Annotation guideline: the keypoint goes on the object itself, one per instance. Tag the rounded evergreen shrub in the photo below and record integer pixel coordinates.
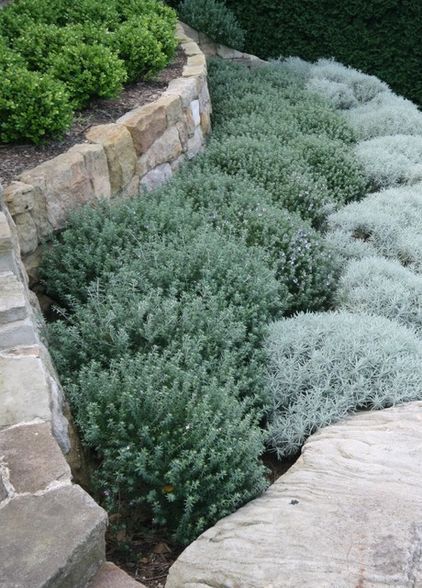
(324, 366)
(379, 286)
(242, 209)
(9, 58)
(32, 106)
(387, 222)
(290, 181)
(390, 161)
(88, 71)
(138, 47)
(344, 86)
(336, 163)
(213, 18)
(188, 451)
(386, 114)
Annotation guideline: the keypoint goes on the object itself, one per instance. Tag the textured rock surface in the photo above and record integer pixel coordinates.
(12, 299)
(68, 181)
(52, 540)
(348, 514)
(43, 463)
(24, 390)
(120, 152)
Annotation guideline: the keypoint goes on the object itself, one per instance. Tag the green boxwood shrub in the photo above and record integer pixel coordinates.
(379, 286)
(181, 445)
(139, 48)
(324, 366)
(80, 44)
(88, 71)
(32, 106)
(215, 19)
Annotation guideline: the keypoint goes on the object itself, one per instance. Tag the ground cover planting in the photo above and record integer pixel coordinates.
(166, 301)
(57, 56)
(366, 354)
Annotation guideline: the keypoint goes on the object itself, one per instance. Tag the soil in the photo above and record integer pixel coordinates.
(148, 558)
(16, 158)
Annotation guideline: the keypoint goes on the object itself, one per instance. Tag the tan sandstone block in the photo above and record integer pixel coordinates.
(165, 149)
(198, 59)
(194, 70)
(19, 197)
(24, 390)
(186, 88)
(183, 29)
(32, 457)
(6, 242)
(27, 232)
(65, 183)
(119, 150)
(191, 48)
(173, 107)
(205, 123)
(145, 125)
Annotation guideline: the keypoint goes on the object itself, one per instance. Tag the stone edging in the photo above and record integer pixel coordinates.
(137, 153)
(53, 532)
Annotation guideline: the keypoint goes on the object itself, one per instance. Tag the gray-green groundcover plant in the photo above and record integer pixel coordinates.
(323, 366)
(166, 301)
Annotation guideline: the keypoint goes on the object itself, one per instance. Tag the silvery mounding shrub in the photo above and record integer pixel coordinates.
(213, 18)
(346, 247)
(182, 446)
(392, 160)
(389, 222)
(363, 88)
(387, 114)
(376, 285)
(324, 366)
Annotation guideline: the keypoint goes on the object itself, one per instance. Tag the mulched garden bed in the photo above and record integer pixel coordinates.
(16, 158)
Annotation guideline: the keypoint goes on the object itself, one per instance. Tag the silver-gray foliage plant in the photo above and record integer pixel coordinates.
(376, 285)
(324, 366)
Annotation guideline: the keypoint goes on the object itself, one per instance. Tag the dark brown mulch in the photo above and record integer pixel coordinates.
(15, 158)
(148, 560)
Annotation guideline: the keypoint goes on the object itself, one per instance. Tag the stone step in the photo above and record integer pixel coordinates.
(12, 299)
(110, 576)
(24, 390)
(54, 539)
(347, 514)
(18, 333)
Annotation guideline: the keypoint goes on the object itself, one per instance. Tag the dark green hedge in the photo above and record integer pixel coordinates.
(381, 37)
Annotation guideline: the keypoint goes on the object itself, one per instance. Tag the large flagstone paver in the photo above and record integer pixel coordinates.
(348, 514)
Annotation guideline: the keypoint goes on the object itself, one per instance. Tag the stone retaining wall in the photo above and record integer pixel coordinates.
(53, 533)
(137, 153)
